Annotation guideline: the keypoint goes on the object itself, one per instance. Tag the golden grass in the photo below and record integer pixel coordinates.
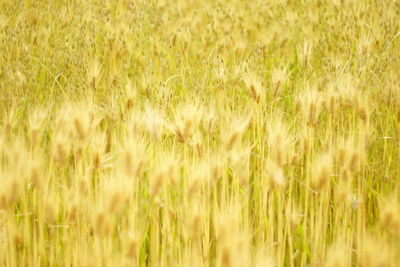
(199, 133)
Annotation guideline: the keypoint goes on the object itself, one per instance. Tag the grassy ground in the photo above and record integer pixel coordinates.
(199, 133)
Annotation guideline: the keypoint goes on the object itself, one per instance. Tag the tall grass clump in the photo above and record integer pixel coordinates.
(199, 133)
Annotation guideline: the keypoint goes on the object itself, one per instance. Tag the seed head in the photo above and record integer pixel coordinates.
(304, 53)
(310, 102)
(163, 174)
(255, 87)
(240, 162)
(390, 218)
(132, 248)
(134, 156)
(36, 177)
(275, 177)
(278, 79)
(337, 256)
(278, 141)
(236, 131)
(186, 121)
(9, 192)
(154, 122)
(102, 223)
(51, 207)
(321, 172)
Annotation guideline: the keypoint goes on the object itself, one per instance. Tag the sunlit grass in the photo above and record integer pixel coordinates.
(199, 133)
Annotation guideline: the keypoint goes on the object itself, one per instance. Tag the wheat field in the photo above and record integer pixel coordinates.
(199, 133)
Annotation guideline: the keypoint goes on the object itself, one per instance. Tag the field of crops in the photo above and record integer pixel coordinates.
(200, 133)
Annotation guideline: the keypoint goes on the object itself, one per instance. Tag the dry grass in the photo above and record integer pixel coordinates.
(199, 133)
